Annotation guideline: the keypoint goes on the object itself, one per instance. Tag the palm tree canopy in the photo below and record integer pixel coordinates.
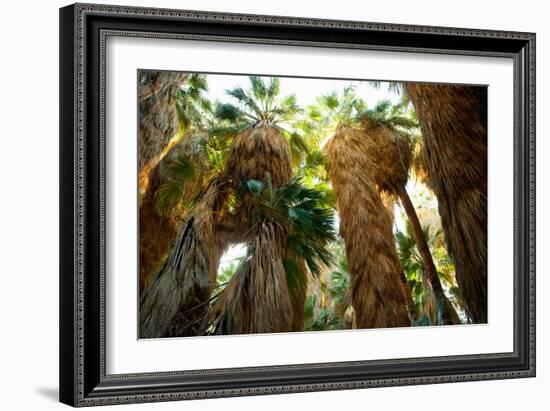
(385, 113)
(261, 102)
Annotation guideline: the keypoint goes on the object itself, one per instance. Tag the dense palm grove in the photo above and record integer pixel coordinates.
(351, 213)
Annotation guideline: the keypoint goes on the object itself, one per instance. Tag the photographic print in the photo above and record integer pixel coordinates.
(281, 204)
(235, 181)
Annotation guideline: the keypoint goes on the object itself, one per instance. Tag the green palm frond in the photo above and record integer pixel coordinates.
(259, 88)
(298, 148)
(181, 169)
(300, 209)
(274, 88)
(335, 109)
(197, 82)
(384, 112)
(247, 101)
(260, 103)
(168, 196)
(287, 109)
(295, 277)
(193, 107)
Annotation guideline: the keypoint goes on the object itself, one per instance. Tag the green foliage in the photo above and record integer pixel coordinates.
(193, 107)
(335, 110)
(385, 113)
(181, 169)
(319, 319)
(259, 103)
(168, 196)
(178, 172)
(330, 308)
(298, 208)
(225, 274)
(413, 267)
(295, 278)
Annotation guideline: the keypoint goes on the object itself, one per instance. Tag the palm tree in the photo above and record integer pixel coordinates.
(175, 179)
(291, 227)
(158, 114)
(176, 301)
(378, 295)
(173, 184)
(262, 150)
(453, 120)
(387, 146)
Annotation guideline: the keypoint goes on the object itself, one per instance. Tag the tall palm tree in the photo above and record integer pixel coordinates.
(291, 230)
(175, 179)
(387, 146)
(176, 301)
(378, 295)
(263, 150)
(453, 120)
(173, 184)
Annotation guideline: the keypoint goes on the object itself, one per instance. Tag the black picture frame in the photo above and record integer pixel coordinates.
(83, 29)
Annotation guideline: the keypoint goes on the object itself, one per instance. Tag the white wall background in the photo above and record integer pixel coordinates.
(29, 204)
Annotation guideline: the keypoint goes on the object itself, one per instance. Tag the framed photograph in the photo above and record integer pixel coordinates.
(261, 204)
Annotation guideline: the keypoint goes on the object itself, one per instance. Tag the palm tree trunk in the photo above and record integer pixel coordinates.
(176, 301)
(156, 234)
(448, 314)
(411, 306)
(257, 298)
(158, 114)
(453, 120)
(158, 228)
(378, 296)
(298, 290)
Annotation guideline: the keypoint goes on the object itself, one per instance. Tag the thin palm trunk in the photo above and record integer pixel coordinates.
(378, 296)
(411, 306)
(448, 313)
(453, 120)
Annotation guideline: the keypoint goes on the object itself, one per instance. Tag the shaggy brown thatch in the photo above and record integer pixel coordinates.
(298, 289)
(258, 151)
(158, 114)
(378, 296)
(390, 155)
(257, 299)
(390, 152)
(158, 227)
(453, 122)
(176, 302)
